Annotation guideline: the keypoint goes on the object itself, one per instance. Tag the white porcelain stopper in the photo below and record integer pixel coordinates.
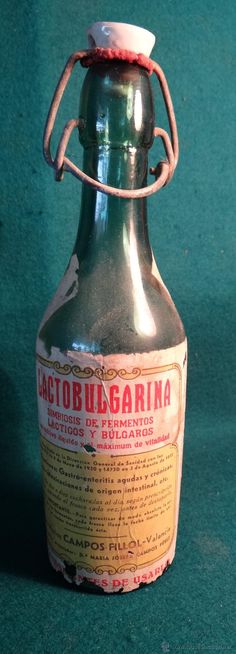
(121, 35)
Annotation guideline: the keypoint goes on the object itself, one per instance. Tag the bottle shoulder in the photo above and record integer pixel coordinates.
(107, 316)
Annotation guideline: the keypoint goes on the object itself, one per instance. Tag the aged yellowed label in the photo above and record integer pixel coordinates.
(111, 443)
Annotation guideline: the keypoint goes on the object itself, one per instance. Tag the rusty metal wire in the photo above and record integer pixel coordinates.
(164, 169)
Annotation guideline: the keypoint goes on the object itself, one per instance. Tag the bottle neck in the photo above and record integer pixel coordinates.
(116, 131)
(111, 227)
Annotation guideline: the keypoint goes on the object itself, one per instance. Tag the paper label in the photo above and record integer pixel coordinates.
(111, 442)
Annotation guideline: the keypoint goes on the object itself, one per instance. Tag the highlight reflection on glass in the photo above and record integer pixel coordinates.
(101, 214)
(143, 320)
(138, 110)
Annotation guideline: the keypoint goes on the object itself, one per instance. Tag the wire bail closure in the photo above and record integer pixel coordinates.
(163, 171)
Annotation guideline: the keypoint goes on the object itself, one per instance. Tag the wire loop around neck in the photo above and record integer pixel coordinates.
(163, 171)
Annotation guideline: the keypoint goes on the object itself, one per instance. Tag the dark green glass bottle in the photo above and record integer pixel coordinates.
(111, 360)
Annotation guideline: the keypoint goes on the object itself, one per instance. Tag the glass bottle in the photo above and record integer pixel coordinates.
(111, 363)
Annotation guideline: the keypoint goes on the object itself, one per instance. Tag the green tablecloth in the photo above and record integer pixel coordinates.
(192, 228)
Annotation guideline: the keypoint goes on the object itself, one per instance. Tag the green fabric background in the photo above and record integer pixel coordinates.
(192, 229)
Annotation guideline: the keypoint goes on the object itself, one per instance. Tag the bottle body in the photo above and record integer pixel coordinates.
(111, 364)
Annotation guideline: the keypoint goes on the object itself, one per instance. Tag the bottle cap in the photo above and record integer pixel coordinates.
(122, 36)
